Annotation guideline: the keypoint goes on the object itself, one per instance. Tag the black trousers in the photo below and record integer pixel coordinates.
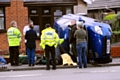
(14, 55)
(50, 50)
(74, 52)
(26, 48)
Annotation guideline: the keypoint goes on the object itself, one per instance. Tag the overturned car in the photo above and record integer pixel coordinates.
(98, 36)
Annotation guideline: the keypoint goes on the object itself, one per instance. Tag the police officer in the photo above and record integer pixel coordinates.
(49, 41)
(14, 38)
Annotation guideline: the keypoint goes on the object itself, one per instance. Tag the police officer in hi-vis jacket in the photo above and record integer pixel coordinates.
(49, 41)
(14, 38)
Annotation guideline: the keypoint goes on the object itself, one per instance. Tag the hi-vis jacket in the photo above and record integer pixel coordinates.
(49, 37)
(13, 36)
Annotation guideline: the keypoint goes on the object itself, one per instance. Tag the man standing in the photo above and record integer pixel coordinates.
(81, 44)
(31, 37)
(14, 38)
(72, 39)
(25, 29)
(49, 41)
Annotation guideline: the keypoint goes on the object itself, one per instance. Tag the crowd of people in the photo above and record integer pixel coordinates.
(49, 41)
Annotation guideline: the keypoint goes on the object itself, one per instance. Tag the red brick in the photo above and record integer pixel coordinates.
(115, 51)
(16, 12)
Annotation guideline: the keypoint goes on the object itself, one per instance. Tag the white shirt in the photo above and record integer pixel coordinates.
(26, 28)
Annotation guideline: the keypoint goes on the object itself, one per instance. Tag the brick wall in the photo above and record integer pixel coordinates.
(15, 12)
(3, 42)
(115, 51)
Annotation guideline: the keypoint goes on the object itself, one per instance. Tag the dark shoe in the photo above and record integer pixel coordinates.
(85, 67)
(47, 68)
(12, 64)
(53, 68)
(29, 65)
(33, 64)
(80, 67)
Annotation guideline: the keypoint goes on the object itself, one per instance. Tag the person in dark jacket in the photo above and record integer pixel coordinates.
(25, 29)
(72, 39)
(31, 37)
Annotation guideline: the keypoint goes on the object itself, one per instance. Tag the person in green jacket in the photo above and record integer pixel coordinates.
(14, 38)
(49, 41)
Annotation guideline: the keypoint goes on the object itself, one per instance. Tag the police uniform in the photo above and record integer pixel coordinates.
(49, 41)
(14, 42)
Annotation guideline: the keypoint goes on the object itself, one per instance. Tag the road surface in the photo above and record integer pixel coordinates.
(95, 73)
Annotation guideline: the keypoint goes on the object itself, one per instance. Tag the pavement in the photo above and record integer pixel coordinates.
(8, 67)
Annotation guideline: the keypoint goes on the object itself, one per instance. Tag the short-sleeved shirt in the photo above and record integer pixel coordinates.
(26, 28)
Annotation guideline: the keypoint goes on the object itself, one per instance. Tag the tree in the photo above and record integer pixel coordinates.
(116, 27)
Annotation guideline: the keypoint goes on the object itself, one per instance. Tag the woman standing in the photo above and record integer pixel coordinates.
(81, 44)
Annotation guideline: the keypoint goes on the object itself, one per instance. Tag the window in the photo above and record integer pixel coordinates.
(36, 24)
(34, 11)
(46, 11)
(68, 10)
(58, 12)
(41, 15)
(2, 23)
(34, 16)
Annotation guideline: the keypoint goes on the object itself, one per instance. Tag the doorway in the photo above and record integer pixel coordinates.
(46, 16)
(46, 20)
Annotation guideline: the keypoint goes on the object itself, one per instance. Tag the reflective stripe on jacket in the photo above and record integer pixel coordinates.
(49, 37)
(13, 36)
